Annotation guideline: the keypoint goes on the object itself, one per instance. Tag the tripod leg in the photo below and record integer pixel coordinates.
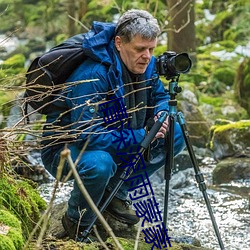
(199, 176)
(169, 164)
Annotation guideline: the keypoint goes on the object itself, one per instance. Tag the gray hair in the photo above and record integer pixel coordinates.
(137, 22)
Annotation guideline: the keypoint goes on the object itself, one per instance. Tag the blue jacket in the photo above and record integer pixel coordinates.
(84, 120)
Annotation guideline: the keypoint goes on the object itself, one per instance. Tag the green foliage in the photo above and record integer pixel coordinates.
(17, 61)
(242, 84)
(60, 38)
(221, 23)
(12, 67)
(216, 67)
(214, 101)
(224, 75)
(22, 200)
(13, 239)
(6, 243)
(219, 102)
(229, 22)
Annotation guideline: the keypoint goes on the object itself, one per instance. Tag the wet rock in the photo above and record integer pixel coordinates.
(187, 240)
(181, 179)
(231, 169)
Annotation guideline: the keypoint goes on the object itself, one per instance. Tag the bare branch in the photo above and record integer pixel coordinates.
(66, 154)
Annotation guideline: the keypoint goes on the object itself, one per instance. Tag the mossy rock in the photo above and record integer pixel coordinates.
(232, 139)
(21, 199)
(11, 237)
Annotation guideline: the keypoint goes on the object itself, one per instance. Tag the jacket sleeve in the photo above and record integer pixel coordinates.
(87, 122)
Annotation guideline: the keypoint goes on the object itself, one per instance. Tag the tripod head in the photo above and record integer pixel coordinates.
(174, 89)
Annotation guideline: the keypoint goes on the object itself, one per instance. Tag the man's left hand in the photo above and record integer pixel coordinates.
(163, 129)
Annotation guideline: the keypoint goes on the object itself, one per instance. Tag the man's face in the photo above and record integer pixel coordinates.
(137, 53)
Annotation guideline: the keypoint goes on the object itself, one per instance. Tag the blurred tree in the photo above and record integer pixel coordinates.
(181, 27)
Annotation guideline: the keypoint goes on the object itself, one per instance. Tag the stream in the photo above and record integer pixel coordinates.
(188, 216)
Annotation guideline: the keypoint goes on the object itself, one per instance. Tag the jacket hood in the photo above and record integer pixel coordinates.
(98, 43)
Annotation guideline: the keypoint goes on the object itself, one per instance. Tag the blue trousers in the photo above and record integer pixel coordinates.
(100, 171)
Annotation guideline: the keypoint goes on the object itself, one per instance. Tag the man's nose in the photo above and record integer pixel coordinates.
(146, 54)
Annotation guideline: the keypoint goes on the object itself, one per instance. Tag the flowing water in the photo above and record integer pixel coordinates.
(187, 212)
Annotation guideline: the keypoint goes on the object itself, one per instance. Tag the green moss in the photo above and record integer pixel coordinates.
(235, 125)
(21, 199)
(6, 243)
(13, 71)
(16, 237)
(239, 128)
(9, 219)
(6, 96)
(228, 45)
(16, 61)
(225, 75)
(212, 100)
(13, 239)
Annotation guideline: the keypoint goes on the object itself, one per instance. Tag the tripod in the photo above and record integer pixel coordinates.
(173, 90)
(173, 114)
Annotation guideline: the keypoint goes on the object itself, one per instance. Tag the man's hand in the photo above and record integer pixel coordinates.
(164, 128)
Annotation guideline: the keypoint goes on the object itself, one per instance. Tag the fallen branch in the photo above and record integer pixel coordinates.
(65, 154)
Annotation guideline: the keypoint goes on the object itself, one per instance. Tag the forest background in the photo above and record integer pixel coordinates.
(214, 33)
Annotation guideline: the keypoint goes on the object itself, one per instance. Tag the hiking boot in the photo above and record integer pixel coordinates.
(75, 231)
(121, 211)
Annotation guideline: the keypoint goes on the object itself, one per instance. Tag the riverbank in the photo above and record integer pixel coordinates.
(188, 216)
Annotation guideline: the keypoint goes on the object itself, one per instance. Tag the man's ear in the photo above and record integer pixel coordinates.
(118, 42)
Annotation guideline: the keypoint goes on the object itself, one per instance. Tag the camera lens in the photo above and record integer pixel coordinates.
(182, 63)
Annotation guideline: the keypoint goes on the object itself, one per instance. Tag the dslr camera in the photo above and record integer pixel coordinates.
(171, 65)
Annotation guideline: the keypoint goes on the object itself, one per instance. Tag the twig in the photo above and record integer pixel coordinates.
(99, 238)
(137, 236)
(45, 217)
(66, 154)
(77, 21)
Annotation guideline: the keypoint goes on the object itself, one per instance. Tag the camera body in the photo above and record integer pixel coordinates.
(171, 65)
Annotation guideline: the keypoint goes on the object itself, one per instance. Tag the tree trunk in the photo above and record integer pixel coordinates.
(181, 29)
(83, 7)
(71, 6)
